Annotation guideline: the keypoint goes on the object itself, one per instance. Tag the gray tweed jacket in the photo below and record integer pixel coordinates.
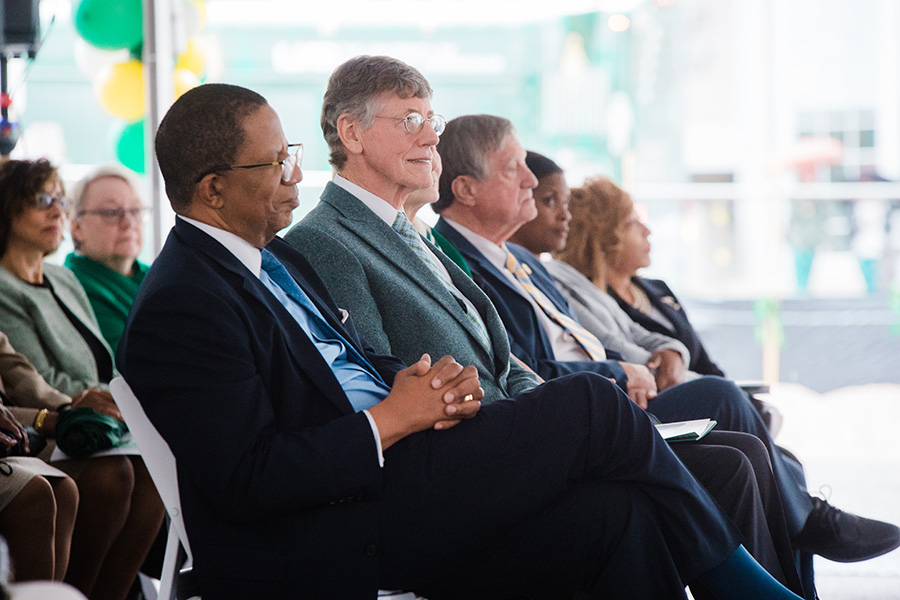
(398, 305)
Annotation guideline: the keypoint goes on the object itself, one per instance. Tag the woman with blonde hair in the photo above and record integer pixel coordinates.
(608, 243)
(107, 224)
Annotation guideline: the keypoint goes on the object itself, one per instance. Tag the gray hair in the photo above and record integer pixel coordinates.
(79, 189)
(353, 88)
(465, 145)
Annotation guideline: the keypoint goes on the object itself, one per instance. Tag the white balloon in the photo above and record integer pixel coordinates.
(90, 60)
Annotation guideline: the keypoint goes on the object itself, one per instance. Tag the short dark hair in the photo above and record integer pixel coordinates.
(20, 183)
(202, 132)
(355, 84)
(465, 145)
(540, 165)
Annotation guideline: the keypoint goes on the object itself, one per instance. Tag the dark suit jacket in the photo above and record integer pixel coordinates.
(665, 302)
(281, 489)
(230, 380)
(527, 339)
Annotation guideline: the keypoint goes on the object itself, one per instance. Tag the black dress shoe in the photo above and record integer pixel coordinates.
(839, 536)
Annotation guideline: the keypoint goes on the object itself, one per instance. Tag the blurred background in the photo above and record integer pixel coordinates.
(760, 137)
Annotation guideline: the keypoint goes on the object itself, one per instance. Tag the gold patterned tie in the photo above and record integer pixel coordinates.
(588, 342)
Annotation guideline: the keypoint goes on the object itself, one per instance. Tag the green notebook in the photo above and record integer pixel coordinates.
(685, 431)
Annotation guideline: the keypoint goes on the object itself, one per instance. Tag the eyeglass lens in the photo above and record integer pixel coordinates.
(293, 161)
(414, 123)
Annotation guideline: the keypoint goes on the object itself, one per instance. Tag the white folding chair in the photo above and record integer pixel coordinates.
(161, 465)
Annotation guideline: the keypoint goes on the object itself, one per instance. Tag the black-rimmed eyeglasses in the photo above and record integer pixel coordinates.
(414, 122)
(293, 161)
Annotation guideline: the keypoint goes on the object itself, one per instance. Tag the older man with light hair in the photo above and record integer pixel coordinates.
(404, 296)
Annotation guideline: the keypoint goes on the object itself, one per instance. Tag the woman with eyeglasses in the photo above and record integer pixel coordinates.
(108, 232)
(46, 315)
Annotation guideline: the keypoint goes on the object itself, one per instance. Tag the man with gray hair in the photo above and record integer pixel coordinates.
(486, 196)
(405, 296)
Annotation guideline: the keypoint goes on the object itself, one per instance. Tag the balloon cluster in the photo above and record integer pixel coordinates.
(108, 52)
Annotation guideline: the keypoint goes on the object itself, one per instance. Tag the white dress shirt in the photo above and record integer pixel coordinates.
(561, 341)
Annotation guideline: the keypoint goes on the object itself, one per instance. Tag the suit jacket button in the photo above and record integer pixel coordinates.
(370, 549)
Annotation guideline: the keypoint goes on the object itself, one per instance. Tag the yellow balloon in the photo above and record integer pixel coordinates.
(185, 80)
(120, 89)
(194, 57)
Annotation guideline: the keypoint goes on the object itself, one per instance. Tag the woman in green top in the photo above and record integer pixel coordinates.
(108, 233)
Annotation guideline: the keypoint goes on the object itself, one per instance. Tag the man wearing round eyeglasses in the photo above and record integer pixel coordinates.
(510, 472)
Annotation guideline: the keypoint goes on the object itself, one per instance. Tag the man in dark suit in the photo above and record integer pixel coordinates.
(311, 467)
(481, 210)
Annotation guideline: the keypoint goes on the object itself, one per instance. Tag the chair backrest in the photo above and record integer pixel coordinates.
(161, 464)
(156, 454)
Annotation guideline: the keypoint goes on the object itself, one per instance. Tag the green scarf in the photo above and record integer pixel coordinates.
(110, 293)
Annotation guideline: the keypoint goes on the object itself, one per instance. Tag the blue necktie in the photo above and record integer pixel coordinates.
(280, 275)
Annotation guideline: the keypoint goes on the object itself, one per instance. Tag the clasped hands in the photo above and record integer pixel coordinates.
(643, 386)
(426, 396)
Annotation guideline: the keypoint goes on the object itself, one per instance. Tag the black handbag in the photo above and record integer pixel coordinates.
(36, 443)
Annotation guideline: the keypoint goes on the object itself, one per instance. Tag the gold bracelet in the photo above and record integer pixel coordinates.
(39, 419)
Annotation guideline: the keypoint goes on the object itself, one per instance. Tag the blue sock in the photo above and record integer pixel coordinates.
(740, 577)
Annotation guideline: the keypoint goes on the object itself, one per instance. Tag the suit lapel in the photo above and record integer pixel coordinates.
(305, 353)
(496, 328)
(360, 221)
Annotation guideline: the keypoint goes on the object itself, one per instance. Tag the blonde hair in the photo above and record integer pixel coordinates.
(598, 207)
(101, 172)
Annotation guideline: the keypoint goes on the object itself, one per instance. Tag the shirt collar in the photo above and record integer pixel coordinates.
(378, 206)
(243, 250)
(495, 254)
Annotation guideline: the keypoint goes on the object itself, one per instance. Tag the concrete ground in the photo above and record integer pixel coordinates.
(849, 442)
(840, 396)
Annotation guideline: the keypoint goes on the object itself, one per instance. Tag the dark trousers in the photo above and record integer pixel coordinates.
(566, 488)
(716, 398)
(735, 469)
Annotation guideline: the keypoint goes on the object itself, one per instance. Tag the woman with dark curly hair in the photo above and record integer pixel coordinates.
(46, 315)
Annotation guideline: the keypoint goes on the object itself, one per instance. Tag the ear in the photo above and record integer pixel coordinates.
(209, 192)
(75, 230)
(465, 188)
(349, 131)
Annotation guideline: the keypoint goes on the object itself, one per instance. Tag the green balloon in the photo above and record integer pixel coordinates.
(129, 141)
(110, 24)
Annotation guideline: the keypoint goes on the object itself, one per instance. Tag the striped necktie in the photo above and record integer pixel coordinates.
(588, 342)
(408, 234)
